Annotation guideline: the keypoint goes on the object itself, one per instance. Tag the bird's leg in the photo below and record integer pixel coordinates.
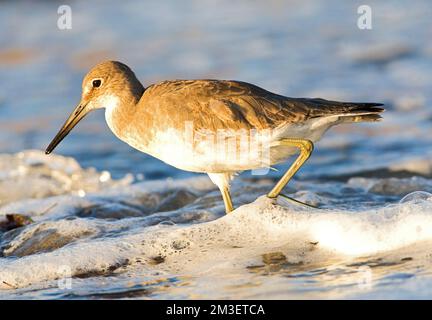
(222, 180)
(227, 200)
(306, 147)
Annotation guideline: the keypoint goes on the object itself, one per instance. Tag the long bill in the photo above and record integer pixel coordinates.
(70, 123)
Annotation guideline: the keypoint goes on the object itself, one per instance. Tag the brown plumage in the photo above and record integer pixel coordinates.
(221, 104)
(165, 119)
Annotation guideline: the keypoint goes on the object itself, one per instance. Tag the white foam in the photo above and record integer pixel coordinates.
(228, 243)
(31, 174)
(178, 227)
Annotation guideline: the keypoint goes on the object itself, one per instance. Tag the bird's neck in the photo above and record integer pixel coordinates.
(120, 112)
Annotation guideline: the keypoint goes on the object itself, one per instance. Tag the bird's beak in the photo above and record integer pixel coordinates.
(79, 113)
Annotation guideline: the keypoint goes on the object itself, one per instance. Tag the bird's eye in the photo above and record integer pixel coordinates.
(96, 83)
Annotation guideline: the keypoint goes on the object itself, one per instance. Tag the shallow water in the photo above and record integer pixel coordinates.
(110, 222)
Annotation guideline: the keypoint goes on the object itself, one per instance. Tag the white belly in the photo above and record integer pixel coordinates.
(226, 151)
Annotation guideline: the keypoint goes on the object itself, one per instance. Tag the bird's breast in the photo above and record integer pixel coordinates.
(189, 148)
(206, 151)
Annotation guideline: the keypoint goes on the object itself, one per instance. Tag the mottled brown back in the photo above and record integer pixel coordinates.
(222, 104)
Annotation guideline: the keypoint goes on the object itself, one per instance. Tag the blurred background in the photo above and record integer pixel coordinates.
(295, 48)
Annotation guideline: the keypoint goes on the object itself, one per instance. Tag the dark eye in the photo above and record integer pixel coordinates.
(96, 83)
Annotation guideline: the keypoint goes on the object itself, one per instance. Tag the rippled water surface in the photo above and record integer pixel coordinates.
(101, 220)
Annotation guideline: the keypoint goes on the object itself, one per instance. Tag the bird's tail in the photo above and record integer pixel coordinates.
(352, 111)
(344, 111)
(361, 118)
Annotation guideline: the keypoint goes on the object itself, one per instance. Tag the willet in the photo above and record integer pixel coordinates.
(211, 126)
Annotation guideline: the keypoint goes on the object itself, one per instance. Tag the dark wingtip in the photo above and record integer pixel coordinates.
(377, 105)
(371, 107)
(47, 152)
(377, 110)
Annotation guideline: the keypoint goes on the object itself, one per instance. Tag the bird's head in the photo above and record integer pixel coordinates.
(109, 85)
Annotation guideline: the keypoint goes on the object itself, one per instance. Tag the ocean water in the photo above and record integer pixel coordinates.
(106, 221)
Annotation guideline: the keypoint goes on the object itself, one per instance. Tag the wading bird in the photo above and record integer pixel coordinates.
(181, 122)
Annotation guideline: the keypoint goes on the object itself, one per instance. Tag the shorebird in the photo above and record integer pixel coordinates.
(188, 123)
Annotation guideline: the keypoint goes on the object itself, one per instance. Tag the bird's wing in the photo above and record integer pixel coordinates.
(223, 104)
